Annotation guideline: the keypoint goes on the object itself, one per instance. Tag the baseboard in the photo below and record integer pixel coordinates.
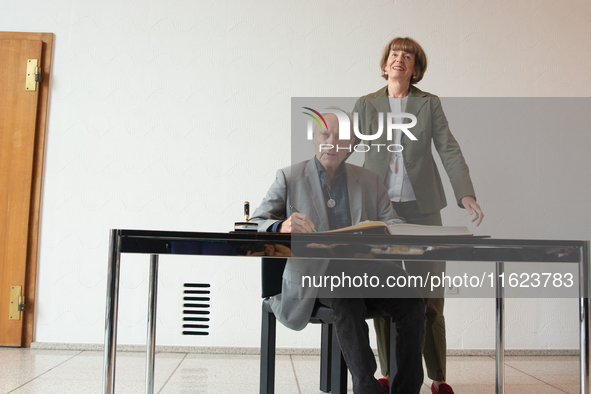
(513, 352)
(281, 350)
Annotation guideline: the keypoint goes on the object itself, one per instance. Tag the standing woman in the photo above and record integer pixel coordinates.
(412, 180)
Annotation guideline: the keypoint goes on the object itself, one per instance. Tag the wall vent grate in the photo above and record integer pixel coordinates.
(196, 308)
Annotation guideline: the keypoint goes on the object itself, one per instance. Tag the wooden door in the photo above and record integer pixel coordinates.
(22, 135)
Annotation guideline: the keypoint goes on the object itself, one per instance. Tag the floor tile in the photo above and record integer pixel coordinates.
(52, 386)
(509, 389)
(308, 373)
(26, 371)
(550, 369)
(20, 365)
(218, 388)
(482, 371)
(216, 373)
(129, 367)
(426, 389)
(569, 388)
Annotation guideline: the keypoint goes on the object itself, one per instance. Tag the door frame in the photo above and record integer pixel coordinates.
(37, 179)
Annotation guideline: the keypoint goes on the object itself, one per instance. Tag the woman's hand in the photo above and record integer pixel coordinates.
(472, 207)
(297, 223)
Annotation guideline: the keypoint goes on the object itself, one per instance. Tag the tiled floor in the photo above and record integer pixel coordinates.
(24, 371)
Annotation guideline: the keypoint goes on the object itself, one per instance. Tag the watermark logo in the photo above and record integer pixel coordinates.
(310, 128)
(345, 124)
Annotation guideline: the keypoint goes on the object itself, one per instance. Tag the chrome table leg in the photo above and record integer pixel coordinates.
(111, 313)
(500, 331)
(584, 318)
(151, 340)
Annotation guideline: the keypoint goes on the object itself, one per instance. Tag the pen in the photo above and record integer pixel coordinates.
(296, 211)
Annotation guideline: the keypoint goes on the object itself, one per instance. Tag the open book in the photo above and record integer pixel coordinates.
(404, 229)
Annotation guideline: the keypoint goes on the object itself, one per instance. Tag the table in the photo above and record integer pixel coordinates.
(341, 246)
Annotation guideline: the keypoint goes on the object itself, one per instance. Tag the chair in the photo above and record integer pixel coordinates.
(333, 369)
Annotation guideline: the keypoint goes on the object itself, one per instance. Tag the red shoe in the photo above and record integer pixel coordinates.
(385, 383)
(444, 388)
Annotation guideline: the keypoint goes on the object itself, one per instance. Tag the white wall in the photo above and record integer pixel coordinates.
(170, 114)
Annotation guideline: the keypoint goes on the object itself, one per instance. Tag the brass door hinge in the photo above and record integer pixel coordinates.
(17, 303)
(33, 75)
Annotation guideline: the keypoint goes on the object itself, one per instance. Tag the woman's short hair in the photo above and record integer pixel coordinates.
(409, 45)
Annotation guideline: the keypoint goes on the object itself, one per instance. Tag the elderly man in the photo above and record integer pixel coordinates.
(323, 194)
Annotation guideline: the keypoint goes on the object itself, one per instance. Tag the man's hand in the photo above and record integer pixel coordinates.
(297, 223)
(472, 207)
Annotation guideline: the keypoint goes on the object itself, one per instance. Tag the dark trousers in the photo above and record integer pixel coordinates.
(349, 312)
(435, 343)
(353, 336)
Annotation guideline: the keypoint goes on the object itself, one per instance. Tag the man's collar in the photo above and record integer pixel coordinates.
(342, 169)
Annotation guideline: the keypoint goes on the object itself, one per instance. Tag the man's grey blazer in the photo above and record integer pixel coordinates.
(300, 186)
